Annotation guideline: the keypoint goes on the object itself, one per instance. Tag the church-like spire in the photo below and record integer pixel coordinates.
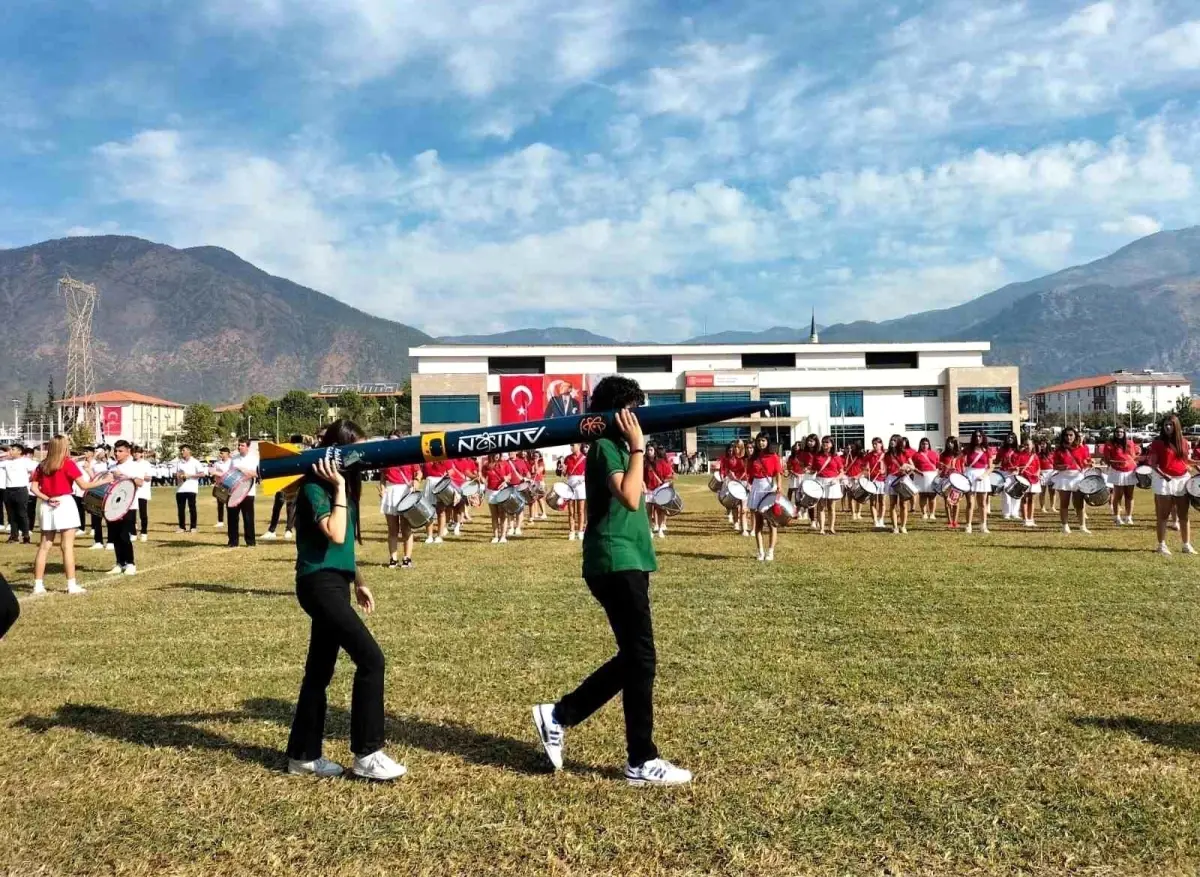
(812, 331)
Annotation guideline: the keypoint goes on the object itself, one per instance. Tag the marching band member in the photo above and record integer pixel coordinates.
(1009, 507)
(187, 474)
(656, 473)
(977, 464)
(433, 471)
(99, 465)
(574, 467)
(1168, 456)
(327, 528)
(925, 468)
(522, 474)
(51, 483)
(395, 483)
(121, 532)
(733, 465)
(16, 494)
(1071, 457)
(1026, 463)
(146, 473)
(497, 473)
(85, 466)
(246, 462)
(1045, 455)
(467, 471)
(1121, 454)
(812, 447)
(537, 467)
(828, 467)
(856, 467)
(30, 462)
(875, 468)
(219, 468)
(951, 461)
(897, 462)
(797, 466)
(766, 477)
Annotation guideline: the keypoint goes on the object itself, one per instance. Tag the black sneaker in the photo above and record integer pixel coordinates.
(408, 564)
(393, 563)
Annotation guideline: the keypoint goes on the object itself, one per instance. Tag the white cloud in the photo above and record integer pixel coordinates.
(708, 83)
(1134, 224)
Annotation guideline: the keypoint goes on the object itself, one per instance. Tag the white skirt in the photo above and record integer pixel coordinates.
(1121, 479)
(65, 516)
(1170, 486)
(924, 481)
(759, 490)
(1068, 480)
(392, 494)
(979, 480)
(578, 485)
(832, 486)
(794, 481)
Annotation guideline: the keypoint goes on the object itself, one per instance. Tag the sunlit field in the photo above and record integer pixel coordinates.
(1021, 702)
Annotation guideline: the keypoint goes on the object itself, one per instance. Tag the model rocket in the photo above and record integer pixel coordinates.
(280, 465)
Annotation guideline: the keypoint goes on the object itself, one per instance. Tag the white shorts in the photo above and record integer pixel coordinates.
(760, 488)
(392, 494)
(832, 486)
(53, 519)
(979, 479)
(578, 485)
(1121, 479)
(1170, 486)
(1068, 480)
(924, 481)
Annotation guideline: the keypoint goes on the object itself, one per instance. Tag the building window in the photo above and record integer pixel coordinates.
(781, 435)
(768, 360)
(783, 409)
(844, 436)
(892, 359)
(921, 393)
(846, 403)
(516, 365)
(995, 430)
(921, 427)
(985, 400)
(713, 439)
(723, 396)
(668, 441)
(633, 364)
(664, 398)
(449, 409)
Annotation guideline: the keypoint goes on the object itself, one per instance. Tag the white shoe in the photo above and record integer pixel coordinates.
(1163, 549)
(457, 530)
(218, 526)
(142, 537)
(968, 528)
(1066, 528)
(517, 532)
(904, 531)
(97, 546)
(1083, 529)
(181, 530)
(1118, 520)
(439, 541)
(322, 767)
(571, 538)
(1174, 525)
(1129, 521)
(503, 540)
(761, 556)
(1188, 549)
(289, 535)
(747, 533)
(130, 570)
(428, 540)
(74, 588)
(116, 571)
(1030, 524)
(658, 772)
(378, 766)
(270, 534)
(550, 732)
(495, 540)
(770, 557)
(39, 588)
(81, 532)
(108, 546)
(983, 529)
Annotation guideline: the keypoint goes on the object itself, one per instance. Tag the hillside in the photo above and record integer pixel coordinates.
(192, 324)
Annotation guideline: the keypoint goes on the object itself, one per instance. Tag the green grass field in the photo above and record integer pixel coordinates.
(1022, 702)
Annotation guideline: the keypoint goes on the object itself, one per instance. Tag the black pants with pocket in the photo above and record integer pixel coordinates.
(10, 609)
(17, 500)
(325, 597)
(244, 512)
(121, 533)
(143, 511)
(625, 597)
(186, 501)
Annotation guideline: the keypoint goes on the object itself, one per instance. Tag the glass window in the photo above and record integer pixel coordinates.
(920, 427)
(713, 439)
(843, 436)
(921, 392)
(629, 364)
(723, 396)
(669, 441)
(781, 435)
(664, 398)
(995, 430)
(768, 360)
(516, 365)
(892, 359)
(985, 400)
(846, 403)
(449, 409)
(784, 409)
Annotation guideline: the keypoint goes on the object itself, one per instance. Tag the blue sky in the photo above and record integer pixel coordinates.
(634, 168)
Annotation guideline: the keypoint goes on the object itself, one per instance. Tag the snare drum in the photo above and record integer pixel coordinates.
(561, 494)
(715, 481)
(393, 494)
(444, 492)
(997, 482)
(733, 494)
(416, 509)
(110, 501)
(863, 489)
(957, 484)
(1192, 489)
(904, 487)
(668, 499)
(811, 493)
(471, 492)
(777, 510)
(509, 500)
(1094, 487)
(1144, 476)
(1017, 486)
(233, 487)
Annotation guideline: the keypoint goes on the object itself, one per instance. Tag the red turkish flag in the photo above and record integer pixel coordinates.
(520, 398)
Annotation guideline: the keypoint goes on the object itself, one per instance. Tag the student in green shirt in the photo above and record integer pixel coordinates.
(327, 516)
(618, 557)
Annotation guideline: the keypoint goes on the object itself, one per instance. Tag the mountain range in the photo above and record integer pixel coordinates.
(203, 324)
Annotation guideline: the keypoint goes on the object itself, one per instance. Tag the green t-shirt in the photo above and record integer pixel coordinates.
(314, 551)
(616, 539)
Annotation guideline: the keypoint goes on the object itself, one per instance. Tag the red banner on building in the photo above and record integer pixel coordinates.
(111, 416)
(536, 397)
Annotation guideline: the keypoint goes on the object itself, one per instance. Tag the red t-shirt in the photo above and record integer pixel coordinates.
(497, 474)
(1004, 459)
(574, 464)
(1025, 463)
(657, 472)
(1121, 458)
(733, 467)
(58, 484)
(1046, 461)
(925, 461)
(976, 459)
(895, 462)
(1072, 459)
(765, 466)
(799, 462)
(874, 466)
(856, 466)
(435, 470)
(399, 474)
(950, 463)
(1163, 458)
(828, 465)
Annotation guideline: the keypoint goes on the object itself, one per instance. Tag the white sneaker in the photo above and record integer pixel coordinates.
(658, 772)
(439, 541)
(517, 532)
(74, 588)
(550, 732)
(108, 546)
(761, 556)
(1030, 524)
(1129, 521)
(142, 537)
(1174, 525)
(770, 557)
(181, 530)
(904, 531)
(503, 540)
(39, 588)
(1083, 529)
(495, 540)
(1066, 528)
(1163, 549)
(322, 767)
(116, 570)
(571, 538)
(1188, 549)
(378, 766)
(270, 534)
(97, 546)
(968, 528)
(130, 570)
(289, 535)
(747, 533)
(458, 529)
(428, 540)
(983, 529)
(218, 526)
(1118, 520)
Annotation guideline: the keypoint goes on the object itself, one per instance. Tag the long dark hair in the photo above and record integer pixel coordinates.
(346, 432)
(982, 443)
(952, 446)
(812, 443)
(1011, 442)
(1062, 438)
(924, 445)
(771, 447)
(894, 446)
(1175, 440)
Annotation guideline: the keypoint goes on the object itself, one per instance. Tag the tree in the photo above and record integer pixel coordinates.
(351, 406)
(50, 400)
(1188, 416)
(167, 449)
(299, 413)
(82, 437)
(1137, 415)
(30, 414)
(230, 423)
(199, 427)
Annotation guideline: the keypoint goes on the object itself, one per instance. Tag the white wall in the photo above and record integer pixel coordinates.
(474, 365)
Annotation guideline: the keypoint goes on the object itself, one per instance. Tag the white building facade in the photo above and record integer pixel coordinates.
(852, 392)
(1156, 392)
(121, 414)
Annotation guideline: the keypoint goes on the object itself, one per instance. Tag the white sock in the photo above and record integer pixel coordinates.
(71, 583)
(38, 583)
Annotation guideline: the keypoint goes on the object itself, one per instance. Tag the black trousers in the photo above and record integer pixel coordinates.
(79, 508)
(325, 597)
(98, 530)
(31, 508)
(10, 609)
(244, 512)
(17, 501)
(625, 597)
(121, 533)
(220, 512)
(143, 511)
(1, 510)
(186, 501)
(277, 509)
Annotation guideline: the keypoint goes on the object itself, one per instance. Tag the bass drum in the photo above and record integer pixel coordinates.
(560, 495)
(715, 481)
(1192, 488)
(233, 487)
(110, 501)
